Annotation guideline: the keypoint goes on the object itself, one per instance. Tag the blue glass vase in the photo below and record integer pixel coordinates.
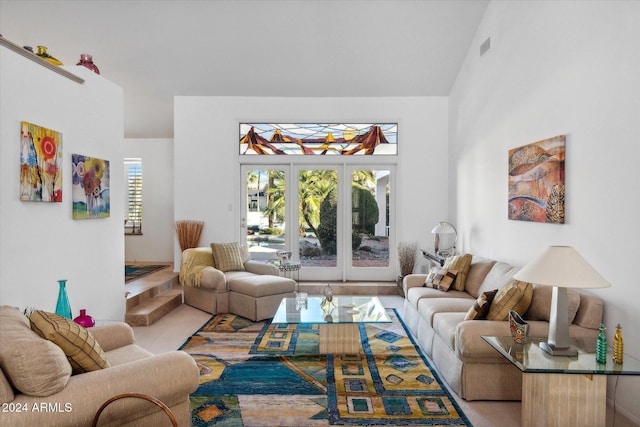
(63, 308)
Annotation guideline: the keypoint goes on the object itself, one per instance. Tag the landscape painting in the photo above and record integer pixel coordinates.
(90, 189)
(536, 181)
(319, 139)
(40, 164)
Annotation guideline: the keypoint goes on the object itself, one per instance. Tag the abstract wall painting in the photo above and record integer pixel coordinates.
(536, 181)
(40, 163)
(90, 189)
(319, 139)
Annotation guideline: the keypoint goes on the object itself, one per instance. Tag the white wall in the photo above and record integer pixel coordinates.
(206, 165)
(156, 242)
(40, 242)
(556, 67)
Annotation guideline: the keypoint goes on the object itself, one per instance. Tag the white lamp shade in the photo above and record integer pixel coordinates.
(561, 266)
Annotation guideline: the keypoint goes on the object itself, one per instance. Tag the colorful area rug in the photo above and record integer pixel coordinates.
(133, 272)
(257, 374)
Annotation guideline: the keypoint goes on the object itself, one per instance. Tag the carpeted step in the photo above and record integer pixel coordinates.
(154, 308)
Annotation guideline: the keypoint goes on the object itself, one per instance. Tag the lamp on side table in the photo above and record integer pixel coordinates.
(561, 267)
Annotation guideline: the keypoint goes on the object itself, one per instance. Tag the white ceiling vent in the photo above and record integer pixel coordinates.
(485, 46)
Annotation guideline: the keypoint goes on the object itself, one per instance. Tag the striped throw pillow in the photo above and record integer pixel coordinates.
(227, 256)
(515, 295)
(82, 350)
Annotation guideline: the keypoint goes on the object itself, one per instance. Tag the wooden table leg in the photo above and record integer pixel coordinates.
(563, 400)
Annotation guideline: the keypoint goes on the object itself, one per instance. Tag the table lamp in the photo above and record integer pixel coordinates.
(561, 267)
(445, 239)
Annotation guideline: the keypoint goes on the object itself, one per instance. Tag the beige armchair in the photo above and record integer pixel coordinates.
(248, 288)
(37, 388)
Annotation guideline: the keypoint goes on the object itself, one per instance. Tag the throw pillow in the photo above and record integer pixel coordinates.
(515, 295)
(440, 278)
(227, 256)
(460, 263)
(480, 308)
(82, 350)
(32, 365)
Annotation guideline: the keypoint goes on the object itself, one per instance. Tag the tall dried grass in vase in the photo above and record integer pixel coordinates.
(407, 260)
(188, 232)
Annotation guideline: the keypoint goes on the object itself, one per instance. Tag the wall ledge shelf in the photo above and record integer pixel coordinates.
(35, 58)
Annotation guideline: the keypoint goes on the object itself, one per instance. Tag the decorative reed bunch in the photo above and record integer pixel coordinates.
(407, 257)
(189, 232)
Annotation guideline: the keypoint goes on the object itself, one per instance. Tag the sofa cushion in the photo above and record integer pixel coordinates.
(460, 263)
(514, 296)
(227, 256)
(500, 274)
(478, 270)
(33, 366)
(440, 278)
(82, 350)
(540, 307)
(589, 313)
(414, 295)
(429, 307)
(445, 324)
(480, 308)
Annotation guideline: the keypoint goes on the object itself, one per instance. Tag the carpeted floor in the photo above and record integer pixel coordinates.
(133, 272)
(257, 374)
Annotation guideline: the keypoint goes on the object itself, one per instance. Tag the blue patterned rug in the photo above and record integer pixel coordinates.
(257, 374)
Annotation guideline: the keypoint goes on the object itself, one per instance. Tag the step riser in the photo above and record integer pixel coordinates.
(144, 296)
(165, 303)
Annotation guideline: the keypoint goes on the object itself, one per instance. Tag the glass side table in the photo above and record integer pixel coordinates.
(561, 390)
(290, 270)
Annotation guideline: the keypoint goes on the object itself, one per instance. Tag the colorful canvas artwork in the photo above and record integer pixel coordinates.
(319, 139)
(536, 181)
(90, 190)
(40, 164)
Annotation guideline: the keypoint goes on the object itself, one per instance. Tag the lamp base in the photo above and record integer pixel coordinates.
(558, 351)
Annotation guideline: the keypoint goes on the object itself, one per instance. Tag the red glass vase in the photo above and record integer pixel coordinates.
(84, 319)
(87, 61)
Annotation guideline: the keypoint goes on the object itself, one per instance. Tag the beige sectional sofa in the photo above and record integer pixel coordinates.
(473, 369)
(251, 289)
(37, 387)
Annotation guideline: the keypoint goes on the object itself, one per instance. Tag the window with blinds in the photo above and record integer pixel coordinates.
(133, 216)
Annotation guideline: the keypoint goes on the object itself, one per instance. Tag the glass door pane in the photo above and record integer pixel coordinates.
(265, 211)
(370, 218)
(318, 217)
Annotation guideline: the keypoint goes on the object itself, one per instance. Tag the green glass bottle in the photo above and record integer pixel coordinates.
(63, 307)
(601, 346)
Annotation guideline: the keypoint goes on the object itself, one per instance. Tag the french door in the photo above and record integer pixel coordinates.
(336, 220)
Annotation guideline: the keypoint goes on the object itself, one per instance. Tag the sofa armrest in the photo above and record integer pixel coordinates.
(113, 335)
(169, 377)
(257, 267)
(412, 281)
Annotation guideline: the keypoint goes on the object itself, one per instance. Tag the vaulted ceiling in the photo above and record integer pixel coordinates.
(158, 49)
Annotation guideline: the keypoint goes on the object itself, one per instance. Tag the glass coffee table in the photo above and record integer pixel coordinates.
(338, 319)
(562, 390)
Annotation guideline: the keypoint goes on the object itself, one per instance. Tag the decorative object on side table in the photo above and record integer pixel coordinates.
(601, 345)
(87, 61)
(328, 293)
(42, 53)
(63, 307)
(518, 327)
(445, 239)
(561, 267)
(84, 319)
(617, 350)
